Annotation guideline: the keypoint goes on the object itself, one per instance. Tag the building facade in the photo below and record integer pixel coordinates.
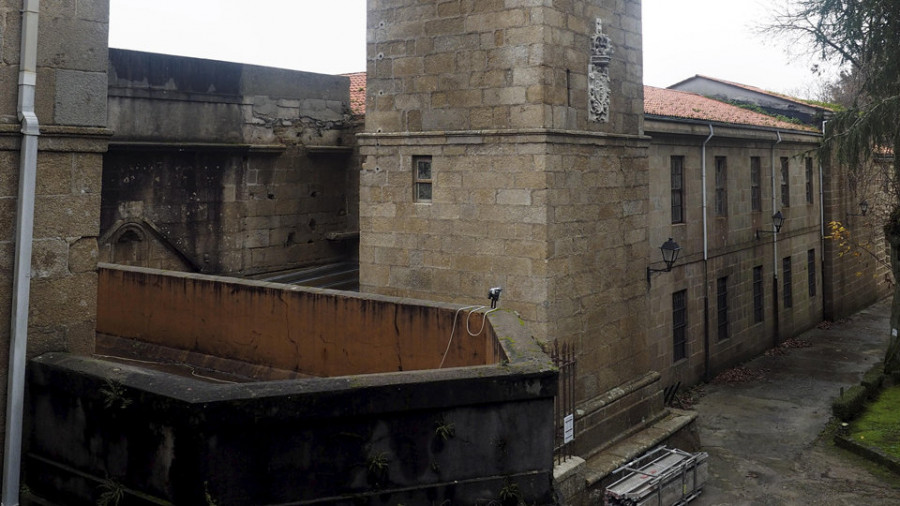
(504, 147)
(227, 168)
(738, 287)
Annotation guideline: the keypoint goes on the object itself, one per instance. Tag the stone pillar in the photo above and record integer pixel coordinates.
(71, 109)
(530, 117)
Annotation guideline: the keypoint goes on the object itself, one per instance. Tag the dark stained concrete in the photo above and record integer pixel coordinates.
(763, 435)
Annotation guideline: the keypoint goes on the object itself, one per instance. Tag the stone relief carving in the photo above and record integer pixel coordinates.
(598, 75)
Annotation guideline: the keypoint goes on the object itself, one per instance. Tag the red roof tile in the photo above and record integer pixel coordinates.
(357, 92)
(657, 102)
(681, 104)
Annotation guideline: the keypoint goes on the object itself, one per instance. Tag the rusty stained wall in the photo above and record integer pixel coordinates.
(315, 332)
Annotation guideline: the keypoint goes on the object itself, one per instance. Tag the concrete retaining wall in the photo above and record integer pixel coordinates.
(311, 331)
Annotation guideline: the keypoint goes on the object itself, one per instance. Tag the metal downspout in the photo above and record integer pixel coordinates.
(15, 392)
(706, 354)
(775, 247)
(822, 222)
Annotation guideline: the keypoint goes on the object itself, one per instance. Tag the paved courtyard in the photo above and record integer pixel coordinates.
(762, 429)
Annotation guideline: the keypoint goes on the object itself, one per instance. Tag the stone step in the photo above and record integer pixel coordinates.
(600, 466)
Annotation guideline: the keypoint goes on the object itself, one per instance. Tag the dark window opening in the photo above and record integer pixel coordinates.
(785, 183)
(722, 307)
(422, 178)
(758, 313)
(788, 292)
(677, 164)
(809, 181)
(811, 271)
(755, 179)
(721, 186)
(679, 325)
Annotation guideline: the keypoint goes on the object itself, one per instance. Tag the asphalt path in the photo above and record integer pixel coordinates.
(764, 429)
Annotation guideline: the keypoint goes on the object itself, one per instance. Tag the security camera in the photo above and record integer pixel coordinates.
(494, 295)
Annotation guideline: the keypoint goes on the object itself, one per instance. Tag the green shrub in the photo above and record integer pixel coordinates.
(851, 403)
(873, 380)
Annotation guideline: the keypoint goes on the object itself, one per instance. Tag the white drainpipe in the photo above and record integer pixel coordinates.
(703, 185)
(706, 351)
(822, 212)
(15, 391)
(777, 326)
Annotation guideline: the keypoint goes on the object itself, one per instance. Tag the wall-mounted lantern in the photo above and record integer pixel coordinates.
(863, 209)
(669, 250)
(777, 223)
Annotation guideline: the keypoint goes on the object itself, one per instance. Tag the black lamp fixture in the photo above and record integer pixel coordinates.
(863, 209)
(777, 223)
(670, 250)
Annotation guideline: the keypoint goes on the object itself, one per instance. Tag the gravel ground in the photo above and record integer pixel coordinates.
(764, 424)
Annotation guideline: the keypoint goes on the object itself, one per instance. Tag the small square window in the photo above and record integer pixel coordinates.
(422, 178)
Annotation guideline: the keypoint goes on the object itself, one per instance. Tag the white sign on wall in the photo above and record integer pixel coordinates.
(568, 428)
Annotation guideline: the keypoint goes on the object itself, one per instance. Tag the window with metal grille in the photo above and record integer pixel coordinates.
(758, 313)
(786, 275)
(677, 164)
(422, 178)
(679, 325)
(721, 186)
(811, 271)
(755, 178)
(809, 181)
(722, 306)
(785, 182)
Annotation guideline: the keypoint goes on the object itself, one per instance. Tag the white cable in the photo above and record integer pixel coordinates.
(453, 329)
(483, 322)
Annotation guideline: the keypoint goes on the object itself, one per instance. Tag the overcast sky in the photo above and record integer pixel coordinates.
(681, 37)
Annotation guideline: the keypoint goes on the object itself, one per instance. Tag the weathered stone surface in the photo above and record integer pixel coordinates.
(80, 98)
(83, 255)
(54, 174)
(232, 209)
(64, 301)
(67, 216)
(49, 258)
(9, 173)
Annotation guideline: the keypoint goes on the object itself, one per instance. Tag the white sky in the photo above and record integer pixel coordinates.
(681, 37)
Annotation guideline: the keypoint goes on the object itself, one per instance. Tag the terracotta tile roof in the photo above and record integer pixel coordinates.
(684, 105)
(657, 102)
(357, 92)
(764, 92)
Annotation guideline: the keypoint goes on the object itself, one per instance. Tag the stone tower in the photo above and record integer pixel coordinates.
(504, 146)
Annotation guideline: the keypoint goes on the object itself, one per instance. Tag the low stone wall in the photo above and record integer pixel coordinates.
(100, 429)
(467, 436)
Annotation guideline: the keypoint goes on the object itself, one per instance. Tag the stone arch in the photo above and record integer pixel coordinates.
(130, 246)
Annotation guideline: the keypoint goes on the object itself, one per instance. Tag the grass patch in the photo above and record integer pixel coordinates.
(879, 424)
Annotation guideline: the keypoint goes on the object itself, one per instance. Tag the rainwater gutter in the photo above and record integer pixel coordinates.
(706, 354)
(776, 330)
(15, 392)
(822, 219)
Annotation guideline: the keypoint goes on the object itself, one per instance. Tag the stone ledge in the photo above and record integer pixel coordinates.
(869, 453)
(568, 480)
(601, 465)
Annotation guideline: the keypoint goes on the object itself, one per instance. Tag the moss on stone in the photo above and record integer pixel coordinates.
(879, 425)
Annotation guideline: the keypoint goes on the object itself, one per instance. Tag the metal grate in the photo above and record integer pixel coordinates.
(564, 404)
